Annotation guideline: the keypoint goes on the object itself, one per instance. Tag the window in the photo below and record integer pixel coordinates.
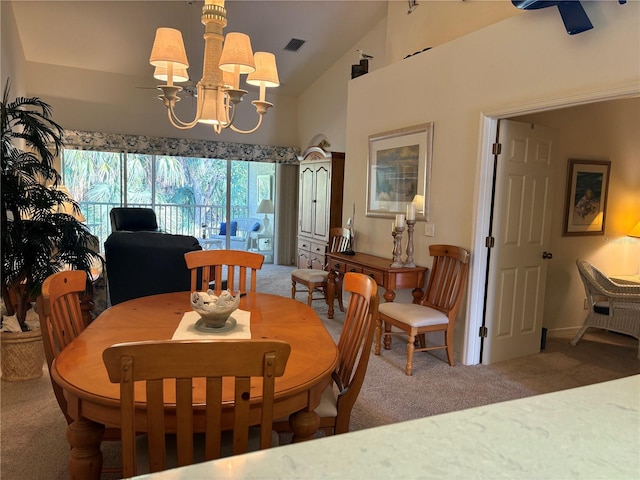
(191, 196)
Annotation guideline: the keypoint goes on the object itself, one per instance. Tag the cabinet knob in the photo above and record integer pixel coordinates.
(336, 266)
(371, 275)
(352, 270)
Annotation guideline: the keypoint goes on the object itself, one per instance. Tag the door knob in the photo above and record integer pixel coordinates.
(547, 255)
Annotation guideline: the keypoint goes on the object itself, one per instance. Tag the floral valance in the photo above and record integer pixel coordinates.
(179, 147)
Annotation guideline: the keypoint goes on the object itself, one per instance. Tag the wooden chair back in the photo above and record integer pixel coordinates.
(447, 279)
(219, 265)
(339, 239)
(155, 362)
(61, 318)
(354, 344)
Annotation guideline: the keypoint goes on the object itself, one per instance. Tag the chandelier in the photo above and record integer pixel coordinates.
(218, 91)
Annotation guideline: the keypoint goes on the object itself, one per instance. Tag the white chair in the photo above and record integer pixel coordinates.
(612, 306)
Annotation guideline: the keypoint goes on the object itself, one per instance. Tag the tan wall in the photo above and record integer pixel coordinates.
(454, 84)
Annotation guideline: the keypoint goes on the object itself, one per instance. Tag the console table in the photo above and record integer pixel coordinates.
(378, 268)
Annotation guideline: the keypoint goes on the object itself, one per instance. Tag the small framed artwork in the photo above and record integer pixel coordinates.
(586, 201)
(399, 171)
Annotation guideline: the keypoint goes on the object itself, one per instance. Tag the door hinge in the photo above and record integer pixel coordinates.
(484, 332)
(496, 148)
(489, 242)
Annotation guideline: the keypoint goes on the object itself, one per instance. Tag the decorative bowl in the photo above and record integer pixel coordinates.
(214, 310)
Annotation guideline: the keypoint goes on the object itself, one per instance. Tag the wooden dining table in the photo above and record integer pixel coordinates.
(94, 402)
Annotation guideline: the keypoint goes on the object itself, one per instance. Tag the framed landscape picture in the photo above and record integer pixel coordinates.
(399, 171)
(586, 201)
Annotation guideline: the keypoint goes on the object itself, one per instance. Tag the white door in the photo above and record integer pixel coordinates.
(521, 229)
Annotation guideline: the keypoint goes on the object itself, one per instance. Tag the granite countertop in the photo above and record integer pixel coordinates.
(587, 432)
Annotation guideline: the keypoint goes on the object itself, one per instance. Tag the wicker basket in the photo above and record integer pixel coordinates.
(22, 355)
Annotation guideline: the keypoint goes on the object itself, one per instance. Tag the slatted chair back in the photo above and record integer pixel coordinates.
(175, 365)
(447, 279)
(354, 344)
(227, 269)
(61, 318)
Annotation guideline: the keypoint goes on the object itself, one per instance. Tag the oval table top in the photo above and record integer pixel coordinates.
(80, 371)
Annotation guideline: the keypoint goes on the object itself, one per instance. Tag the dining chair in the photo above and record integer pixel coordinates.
(186, 362)
(611, 306)
(354, 347)
(61, 322)
(315, 280)
(223, 269)
(437, 309)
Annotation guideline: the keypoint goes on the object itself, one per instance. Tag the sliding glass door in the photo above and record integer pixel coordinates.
(191, 196)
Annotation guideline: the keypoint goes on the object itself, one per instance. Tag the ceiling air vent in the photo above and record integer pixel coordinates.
(294, 44)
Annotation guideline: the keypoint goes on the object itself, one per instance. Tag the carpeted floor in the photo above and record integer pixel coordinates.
(32, 428)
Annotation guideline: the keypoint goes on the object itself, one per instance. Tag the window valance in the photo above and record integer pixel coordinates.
(180, 147)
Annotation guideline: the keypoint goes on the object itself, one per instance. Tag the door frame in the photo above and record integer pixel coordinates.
(472, 343)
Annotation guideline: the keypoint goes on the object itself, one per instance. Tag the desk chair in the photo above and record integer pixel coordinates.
(60, 322)
(437, 309)
(612, 306)
(209, 268)
(183, 361)
(354, 347)
(316, 280)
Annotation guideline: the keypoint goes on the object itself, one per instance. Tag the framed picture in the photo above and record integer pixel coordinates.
(399, 171)
(586, 202)
(264, 187)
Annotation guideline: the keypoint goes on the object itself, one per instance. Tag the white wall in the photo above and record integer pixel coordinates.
(525, 60)
(12, 60)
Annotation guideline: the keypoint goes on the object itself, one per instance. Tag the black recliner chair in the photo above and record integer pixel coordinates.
(133, 219)
(141, 263)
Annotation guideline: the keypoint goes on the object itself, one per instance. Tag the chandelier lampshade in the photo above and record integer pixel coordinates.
(168, 49)
(218, 92)
(237, 54)
(179, 74)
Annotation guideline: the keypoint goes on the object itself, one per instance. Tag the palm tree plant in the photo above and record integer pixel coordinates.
(37, 240)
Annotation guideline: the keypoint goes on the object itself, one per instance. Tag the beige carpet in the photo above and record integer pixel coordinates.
(32, 428)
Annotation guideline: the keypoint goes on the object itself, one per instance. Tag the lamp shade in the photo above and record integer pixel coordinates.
(266, 70)
(237, 54)
(168, 47)
(635, 231)
(266, 206)
(179, 74)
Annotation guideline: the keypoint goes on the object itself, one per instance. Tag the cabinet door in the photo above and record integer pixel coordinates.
(307, 198)
(322, 201)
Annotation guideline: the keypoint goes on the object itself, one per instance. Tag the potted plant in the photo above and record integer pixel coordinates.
(37, 240)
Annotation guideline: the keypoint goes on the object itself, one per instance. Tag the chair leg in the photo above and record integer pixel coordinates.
(310, 297)
(579, 335)
(339, 295)
(378, 336)
(293, 289)
(448, 336)
(410, 348)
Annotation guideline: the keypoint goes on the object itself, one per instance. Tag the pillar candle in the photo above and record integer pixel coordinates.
(400, 220)
(411, 211)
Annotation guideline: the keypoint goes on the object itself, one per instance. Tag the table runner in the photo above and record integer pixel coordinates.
(187, 328)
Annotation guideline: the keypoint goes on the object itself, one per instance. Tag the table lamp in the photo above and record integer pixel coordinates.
(266, 206)
(635, 231)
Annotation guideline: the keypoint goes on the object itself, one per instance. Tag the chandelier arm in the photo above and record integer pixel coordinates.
(179, 124)
(237, 130)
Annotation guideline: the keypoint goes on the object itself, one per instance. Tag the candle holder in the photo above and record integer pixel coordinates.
(409, 263)
(397, 247)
